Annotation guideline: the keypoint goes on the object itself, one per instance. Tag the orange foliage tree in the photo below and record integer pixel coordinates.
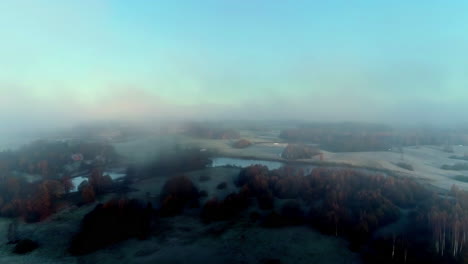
(87, 194)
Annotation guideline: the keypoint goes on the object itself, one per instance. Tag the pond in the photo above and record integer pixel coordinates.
(77, 181)
(243, 163)
(272, 165)
(115, 175)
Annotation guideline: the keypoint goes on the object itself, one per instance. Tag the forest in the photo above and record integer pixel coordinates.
(387, 219)
(36, 180)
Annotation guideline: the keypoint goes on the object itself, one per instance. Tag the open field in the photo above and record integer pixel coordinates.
(426, 160)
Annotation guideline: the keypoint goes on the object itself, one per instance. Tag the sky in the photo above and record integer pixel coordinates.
(66, 61)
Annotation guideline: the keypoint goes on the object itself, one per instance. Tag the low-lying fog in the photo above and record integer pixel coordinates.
(254, 132)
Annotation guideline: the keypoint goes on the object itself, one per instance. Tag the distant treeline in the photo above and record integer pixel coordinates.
(459, 157)
(211, 131)
(455, 167)
(110, 131)
(341, 137)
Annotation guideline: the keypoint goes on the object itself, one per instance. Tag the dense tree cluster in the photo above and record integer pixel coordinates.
(359, 206)
(231, 206)
(38, 199)
(299, 151)
(177, 193)
(49, 158)
(448, 221)
(456, 166)
(435, 233)
(338, 201)
(387, 219)
(31, 201)
(341, 137)
(114, 221)
(242, 143)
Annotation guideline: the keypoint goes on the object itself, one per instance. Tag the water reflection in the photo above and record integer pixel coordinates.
(80, 179)
(243, 163)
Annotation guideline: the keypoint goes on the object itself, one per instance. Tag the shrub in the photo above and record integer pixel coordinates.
(405, 166)
(25, 246)
(222, 186)
(242, 143)
(299, 151)
(110, 223)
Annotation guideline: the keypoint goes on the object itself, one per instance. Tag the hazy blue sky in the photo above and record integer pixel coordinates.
(339, 60)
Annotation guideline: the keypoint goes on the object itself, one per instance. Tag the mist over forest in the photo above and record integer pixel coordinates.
(241, 132)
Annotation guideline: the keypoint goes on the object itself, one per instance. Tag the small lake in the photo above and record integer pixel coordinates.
(243, 163)
(273, 165)
(78, 180)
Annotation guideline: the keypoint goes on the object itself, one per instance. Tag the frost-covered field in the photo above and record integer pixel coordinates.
(53, 236)
(426, 160)
(238, 244)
